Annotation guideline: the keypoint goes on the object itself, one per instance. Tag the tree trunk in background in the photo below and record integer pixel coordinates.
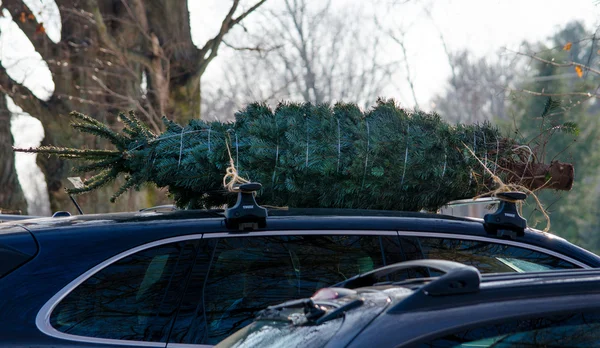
(11, 195)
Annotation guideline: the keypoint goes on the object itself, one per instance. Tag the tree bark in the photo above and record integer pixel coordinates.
(11, 195)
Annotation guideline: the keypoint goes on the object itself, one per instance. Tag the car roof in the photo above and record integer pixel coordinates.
(384, 219)
(304, 219)
(287, 219)
(278, 218)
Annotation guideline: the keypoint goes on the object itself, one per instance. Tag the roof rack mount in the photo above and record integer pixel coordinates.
(246, 214)
(506, 221)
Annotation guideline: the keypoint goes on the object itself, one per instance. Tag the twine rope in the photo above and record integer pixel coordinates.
(405, 157)
(232, 178)
(502, 187)
(180, 147)
(367, 153)
(209, 129)
(339, 147)
(528, 158)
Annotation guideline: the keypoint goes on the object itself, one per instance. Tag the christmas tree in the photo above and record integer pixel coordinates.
(315, 156)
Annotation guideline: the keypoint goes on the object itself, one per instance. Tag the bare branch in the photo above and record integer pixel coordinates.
(566, 94)
(151, 120)
(110, 42)
(245, 14)
(559, 65)
(213, 44)
(21, 95)
(256, 48)
(407, 67)
(27, 22)
(138, 15)
(444, 45)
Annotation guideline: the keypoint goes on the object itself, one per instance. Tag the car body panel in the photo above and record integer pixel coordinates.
(409, 329)
(73, 248)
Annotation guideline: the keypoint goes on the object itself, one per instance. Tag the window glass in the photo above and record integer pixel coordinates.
(569, 330)
(247, 274)
(132, 299)
(487, 257)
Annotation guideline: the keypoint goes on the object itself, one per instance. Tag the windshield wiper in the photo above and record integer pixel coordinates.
(334, 313)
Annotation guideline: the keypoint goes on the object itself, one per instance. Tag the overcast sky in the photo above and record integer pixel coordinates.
(484, 27)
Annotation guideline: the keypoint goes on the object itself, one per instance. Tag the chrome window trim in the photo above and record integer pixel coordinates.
(302, 233)
(493, 240)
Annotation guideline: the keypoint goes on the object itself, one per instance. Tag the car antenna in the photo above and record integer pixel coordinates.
(506, 221)
(246, 214)
(77, 183)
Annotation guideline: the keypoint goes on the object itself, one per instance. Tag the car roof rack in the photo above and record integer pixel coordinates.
(471, 201)
(506, 221)
(160, 208)
(246, 214)
(458, 278)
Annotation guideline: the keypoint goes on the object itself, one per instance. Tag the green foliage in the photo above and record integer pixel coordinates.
(305, 155)
(573, 215)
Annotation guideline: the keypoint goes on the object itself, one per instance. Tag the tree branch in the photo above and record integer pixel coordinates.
(213, 44)
(110, 42)
(27, 22)
(566, 94)
(245, 14)
(129, 99)
(21, 95)
(256, 48)
(559, 65)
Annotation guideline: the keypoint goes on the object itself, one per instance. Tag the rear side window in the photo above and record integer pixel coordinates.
(485, 256)
(134, 298)
(248, 274)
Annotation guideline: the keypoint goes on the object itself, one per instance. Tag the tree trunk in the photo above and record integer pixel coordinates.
(11, 195)
(106, 46)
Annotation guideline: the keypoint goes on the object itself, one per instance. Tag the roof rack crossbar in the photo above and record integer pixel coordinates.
(459, 278)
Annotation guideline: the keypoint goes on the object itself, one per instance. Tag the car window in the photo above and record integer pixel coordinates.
(486, 256)
(248, 274)
(134, 298)
(567, 330)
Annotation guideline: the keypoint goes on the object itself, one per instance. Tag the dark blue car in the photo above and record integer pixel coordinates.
(188, 278)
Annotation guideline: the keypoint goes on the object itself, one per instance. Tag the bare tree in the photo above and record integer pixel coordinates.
(477, 89)
(309, 52)
(105, 49)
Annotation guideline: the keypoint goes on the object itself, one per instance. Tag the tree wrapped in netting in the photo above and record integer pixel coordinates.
(315, 156)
